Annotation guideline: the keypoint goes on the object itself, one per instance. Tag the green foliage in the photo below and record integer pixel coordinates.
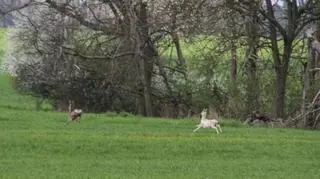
(41, 145)
(209, 64)
(3, 40)
(209, 69)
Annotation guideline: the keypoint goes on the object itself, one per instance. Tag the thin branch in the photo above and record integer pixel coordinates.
(4, 12)
(67, 11)
(114, 10)
(74, 52)
(94, 15)
(274, 22)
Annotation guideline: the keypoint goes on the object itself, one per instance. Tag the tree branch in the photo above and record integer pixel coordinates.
(74, 52)
(11, 9)
(95, 26)
(274, 22)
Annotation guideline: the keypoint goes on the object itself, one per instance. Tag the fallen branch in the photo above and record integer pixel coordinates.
(315, 69)
(302, 115)
(316, 121)
(315, 98)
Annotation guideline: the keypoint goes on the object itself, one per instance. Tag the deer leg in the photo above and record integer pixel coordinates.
(196, 129)
(219, 127)
(216, 129)
(68, 121)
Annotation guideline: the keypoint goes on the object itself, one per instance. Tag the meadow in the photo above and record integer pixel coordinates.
(42, 145)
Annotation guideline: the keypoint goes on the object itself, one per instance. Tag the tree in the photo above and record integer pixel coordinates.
(133, 53)
(118, 33)
(310, 115)
(297, 15)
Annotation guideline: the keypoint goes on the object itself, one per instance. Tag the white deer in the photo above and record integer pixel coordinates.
(208, 123)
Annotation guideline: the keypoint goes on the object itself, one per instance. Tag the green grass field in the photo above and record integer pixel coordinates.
(11, 99)
(41, 145)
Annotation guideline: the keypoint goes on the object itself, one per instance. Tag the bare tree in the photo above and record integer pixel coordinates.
(121, 44)
(297, 15)
(116, 33)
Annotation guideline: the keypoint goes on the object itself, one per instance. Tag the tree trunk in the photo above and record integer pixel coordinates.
(252, 84)
(164, 75)
(39, 101)
(317, 60)
(147, 59)
(281, 77)
(310, 88)
(308, 79)
(281, 64)
(140, 100)
(252, 29)
(176, 41)
(182, 61)
(233, 60)
(280, 93)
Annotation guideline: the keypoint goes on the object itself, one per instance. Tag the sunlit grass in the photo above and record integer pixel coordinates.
(41, 145)
(11, 99)
(3, 40)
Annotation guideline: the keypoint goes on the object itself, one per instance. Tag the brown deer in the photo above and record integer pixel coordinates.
(75, 114)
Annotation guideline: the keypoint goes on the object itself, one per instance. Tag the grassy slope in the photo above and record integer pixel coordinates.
(3, 33)
(9, 98)
(40, 145)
